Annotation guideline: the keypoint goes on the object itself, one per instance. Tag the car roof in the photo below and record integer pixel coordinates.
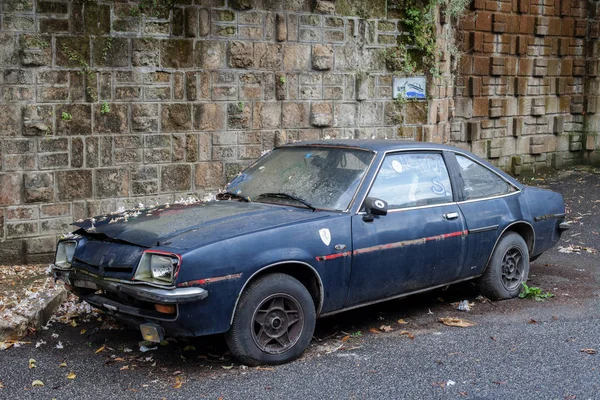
(383, 145)
(378, 145)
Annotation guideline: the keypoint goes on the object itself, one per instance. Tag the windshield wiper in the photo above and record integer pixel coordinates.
(230, 195)
(287, 196)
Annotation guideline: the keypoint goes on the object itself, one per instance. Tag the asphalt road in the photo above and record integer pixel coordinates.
(519, 349)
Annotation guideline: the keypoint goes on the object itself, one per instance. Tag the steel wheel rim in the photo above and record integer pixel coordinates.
(277, 323)
(513, 267)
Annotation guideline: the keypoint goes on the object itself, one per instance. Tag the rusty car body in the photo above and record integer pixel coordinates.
(311, 229)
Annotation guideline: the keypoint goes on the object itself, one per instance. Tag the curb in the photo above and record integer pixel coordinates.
(32, 315)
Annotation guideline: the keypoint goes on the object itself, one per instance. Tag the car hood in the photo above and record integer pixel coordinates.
(184, 226)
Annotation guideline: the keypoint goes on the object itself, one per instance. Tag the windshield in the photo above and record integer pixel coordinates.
(323, 177)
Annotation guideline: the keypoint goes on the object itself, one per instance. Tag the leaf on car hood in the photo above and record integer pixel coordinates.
(459, 322)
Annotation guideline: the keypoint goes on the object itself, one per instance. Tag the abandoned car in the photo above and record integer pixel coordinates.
(308, 230)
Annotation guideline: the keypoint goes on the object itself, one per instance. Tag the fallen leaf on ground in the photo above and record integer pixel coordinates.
(461, 323)
(408, 334)
(346, 338)
(62, 365)
(83, 331)
(385, 328)
(100, 349)
(373, 330)
(178, 382)
(265, 368)
(73, 323)
(532, 321)
(499, 382)
(31, 363)
(71, 375)
(1, 385)
(402, 322)
(37, 383)
(124, 368)
(227, 366)
(589, 351)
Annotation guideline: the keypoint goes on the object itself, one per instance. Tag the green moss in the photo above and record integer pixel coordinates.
(225, 16)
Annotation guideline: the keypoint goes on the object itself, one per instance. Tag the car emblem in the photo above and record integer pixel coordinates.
(325, 236)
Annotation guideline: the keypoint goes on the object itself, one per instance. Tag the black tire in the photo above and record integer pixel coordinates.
(282, 303)
(508, 268)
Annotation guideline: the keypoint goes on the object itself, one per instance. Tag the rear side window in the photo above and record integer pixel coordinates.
(412, 179)
(479, 181)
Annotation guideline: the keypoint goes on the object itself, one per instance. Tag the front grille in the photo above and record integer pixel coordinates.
(108, 259)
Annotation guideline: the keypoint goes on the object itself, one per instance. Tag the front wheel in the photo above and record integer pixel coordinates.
(274, 321)
(508, 268)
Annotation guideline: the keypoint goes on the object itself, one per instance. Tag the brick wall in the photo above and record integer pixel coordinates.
(527, 94)
(198, 90)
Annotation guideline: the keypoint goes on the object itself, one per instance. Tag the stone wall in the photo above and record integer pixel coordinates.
(527, 95)
(107, 104)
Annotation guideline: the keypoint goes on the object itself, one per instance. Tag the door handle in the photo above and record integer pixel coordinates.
(451, 215)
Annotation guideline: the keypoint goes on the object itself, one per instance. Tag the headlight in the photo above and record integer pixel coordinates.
(157, 268)
(64, 254)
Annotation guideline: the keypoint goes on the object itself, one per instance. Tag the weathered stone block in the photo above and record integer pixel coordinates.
(296, 57)
(38, 187)
(21, 229)
(73, 119)
(210, 54)
(209, 116)
(345, 115)
(10, 189)
(74, 184)
(268, 56)
(208, 175)
(239, 115)
(241, 55)
(114, 121)
(175, 178)
(53, 160)
(322, 57)
(295, 115)
(321, 114)
(176, 117)
(111, 182)
(266, 115)
(111, 52)
(11, 120)
(281, 27)
(176, 53)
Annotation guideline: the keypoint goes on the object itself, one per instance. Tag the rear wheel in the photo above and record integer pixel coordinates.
(508, 268)
(274, 321)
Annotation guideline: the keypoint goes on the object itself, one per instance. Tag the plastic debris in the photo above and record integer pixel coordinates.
(464, 306)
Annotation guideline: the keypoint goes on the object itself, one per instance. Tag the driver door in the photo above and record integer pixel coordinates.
(420, 243)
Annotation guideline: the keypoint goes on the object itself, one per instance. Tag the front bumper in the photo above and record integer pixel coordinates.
(133, 303)
(140, 292)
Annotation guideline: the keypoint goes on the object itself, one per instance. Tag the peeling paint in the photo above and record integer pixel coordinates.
(394, 245)
(206, 281)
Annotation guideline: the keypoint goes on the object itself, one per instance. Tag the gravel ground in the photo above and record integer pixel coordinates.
(518, 349)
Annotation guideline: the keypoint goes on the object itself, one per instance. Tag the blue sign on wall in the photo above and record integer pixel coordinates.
(413, 87)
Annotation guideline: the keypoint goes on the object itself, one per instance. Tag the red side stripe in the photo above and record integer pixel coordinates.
(393, 245)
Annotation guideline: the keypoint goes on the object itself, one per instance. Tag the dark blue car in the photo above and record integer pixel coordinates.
(309, 230)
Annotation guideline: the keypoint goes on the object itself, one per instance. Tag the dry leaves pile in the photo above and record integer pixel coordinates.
(20, 283)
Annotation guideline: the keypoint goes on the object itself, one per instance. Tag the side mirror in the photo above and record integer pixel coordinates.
(374, 206)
